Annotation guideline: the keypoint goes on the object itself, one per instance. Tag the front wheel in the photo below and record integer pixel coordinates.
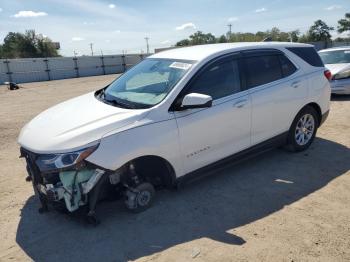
(303, 130)
(140, 198)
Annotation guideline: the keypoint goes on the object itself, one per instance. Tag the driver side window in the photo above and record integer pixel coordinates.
(218, 80)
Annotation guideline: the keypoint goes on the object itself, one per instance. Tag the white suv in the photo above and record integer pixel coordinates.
(337, 60)
(174, 116)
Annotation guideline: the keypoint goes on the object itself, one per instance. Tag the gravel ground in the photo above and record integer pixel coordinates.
(276, 207)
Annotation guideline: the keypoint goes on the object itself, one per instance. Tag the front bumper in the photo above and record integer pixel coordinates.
(64, 188)
(340, 87)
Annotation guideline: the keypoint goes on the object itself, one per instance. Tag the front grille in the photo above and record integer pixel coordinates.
(51, 178)
(52, 195)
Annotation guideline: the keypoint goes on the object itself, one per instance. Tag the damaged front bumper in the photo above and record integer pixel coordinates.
(79, 185)
(73, 187)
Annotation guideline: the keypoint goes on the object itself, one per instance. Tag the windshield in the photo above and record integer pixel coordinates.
(147, 83)
(335, 57)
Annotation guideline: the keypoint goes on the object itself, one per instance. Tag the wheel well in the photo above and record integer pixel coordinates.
(154, 169)
(317, 109)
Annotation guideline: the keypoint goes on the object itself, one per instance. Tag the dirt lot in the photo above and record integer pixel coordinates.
(277, 207)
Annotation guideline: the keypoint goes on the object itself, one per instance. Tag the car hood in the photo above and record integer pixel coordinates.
(75, 123)
(337, 68)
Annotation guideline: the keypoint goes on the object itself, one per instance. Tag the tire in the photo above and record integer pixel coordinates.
(142, 198)
(303, 130)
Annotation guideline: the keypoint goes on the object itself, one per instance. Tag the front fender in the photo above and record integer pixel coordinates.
(157, 139)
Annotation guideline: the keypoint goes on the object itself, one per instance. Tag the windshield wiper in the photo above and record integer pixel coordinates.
(114, 102)
(117, 102)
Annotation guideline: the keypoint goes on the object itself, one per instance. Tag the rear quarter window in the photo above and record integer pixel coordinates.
(308, 54)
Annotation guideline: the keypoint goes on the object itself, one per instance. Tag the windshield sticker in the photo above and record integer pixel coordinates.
(180, 65)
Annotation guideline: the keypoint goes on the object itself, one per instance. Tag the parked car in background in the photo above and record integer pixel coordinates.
(337, 60)
(172, 117)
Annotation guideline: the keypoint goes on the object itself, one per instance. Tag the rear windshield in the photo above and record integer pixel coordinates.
(308, 54)
(335, 57)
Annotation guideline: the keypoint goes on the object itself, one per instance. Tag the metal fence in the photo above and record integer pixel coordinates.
(53, 68)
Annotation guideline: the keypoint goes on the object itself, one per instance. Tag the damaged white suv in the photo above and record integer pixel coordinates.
(174, 116)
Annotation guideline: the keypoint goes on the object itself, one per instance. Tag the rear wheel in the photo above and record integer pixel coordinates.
(303, 130)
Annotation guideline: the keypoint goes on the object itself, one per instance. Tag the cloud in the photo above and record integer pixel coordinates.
(117, 31)
(89, 23)
(165, 42)
(29, 14)
(0, 9)
(232, 19)
(111, 6)
(77, 39)
(185, 26)
(333, 7)
(260, 10)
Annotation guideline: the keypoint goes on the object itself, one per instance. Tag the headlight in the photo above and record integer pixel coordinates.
(49, 162)
(342, 75)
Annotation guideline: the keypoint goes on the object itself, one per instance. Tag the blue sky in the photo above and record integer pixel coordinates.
(116, 25)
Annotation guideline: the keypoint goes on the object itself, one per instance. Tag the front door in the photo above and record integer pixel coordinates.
(210, 134)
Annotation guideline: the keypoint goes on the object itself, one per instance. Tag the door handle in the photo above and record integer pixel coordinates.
(295, 84)
(240, 103)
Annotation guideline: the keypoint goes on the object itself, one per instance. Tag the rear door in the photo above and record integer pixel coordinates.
(278, 91)
(210, 134)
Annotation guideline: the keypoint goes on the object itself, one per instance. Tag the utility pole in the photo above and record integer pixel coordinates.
(229, 30)
(147, 38)
(75, 53)
(92, 51)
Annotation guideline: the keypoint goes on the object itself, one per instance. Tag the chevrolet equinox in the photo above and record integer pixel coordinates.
(171, 118)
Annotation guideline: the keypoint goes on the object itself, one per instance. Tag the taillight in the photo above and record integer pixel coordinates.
(328, 74)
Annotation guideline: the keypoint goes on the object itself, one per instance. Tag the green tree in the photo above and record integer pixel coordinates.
(184, 42)
(29, 44)
(222, 39)
(294, 35)
(320, 31)
(200, 38)
(259, 36)
(344, 24)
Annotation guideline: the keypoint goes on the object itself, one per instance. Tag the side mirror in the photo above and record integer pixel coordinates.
(195, 100)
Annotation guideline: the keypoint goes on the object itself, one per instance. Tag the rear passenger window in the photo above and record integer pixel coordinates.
(261, 70)
(288, 68)
(308, 54)
(218, 80)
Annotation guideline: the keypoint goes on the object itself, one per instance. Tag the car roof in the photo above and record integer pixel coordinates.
(200, 52)
(339, 48)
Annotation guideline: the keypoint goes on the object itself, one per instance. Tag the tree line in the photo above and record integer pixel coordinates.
(31, 45)
(319, 31)
(27, 45)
